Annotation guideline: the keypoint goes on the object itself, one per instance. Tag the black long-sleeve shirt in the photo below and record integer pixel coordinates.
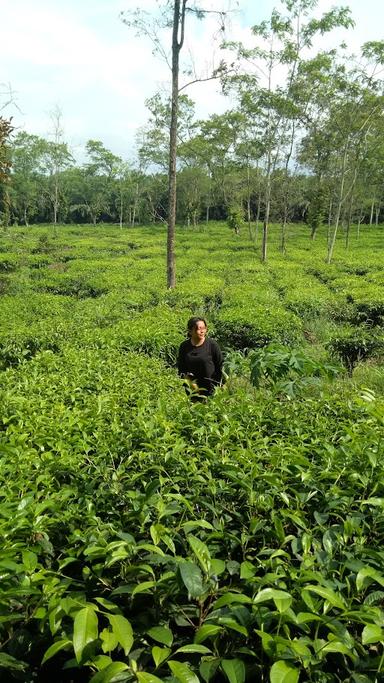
(203, 363)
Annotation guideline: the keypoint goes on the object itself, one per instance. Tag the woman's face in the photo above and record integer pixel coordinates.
(199, 331)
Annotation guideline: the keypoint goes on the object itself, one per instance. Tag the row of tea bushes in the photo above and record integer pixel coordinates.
(162, 541)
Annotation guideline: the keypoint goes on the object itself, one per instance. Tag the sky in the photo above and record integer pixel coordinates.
(78, 57)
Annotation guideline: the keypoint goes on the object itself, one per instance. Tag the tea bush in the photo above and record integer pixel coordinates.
(145, 538)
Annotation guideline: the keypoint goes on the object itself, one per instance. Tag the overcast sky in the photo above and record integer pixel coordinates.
(79, 56)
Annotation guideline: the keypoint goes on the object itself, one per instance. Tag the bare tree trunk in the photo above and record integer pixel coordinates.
(134, 208)
(258, 217)
(339, 206)
(265, 226)
(283, 235)
(121, 209)
(329, 221)
(372, 210)
(358, 224)
(177, 43)
(349, 220)
(268, 173)
(249, 202)
(377, 214)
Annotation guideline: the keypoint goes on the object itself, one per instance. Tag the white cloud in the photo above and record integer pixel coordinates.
(79, 55)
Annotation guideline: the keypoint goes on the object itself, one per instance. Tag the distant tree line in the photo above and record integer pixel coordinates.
(310, 148)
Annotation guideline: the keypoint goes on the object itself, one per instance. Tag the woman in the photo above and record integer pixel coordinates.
(200, 360)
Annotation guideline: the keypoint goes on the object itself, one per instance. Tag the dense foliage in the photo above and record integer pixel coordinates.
(145, 538)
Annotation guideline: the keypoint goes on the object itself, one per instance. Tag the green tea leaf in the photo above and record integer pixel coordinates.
(144, 677)
(84, 630)
(283, 672)
(11, 663)
(201, 551)
(366, 575)
(206, 631)
(234, 670)
(282, 599)
(231, 598)
(192, 578)
(108, 674)
(194, 647)
(372, 634)
(162, 634)
(144, 587)
(56, 647)
(208, 668)
(122, 629)
(108, 640)
(329, 595)
(160, 654)
(247, 570)
(182, 672)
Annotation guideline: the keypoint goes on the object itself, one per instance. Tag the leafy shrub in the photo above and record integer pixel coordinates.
(44, 244)
(287, 369)
(241, 327)
(353, 345)
(235, 218)
(76, 288)
(7, 265)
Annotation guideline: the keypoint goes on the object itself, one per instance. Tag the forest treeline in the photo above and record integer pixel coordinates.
(302, 140)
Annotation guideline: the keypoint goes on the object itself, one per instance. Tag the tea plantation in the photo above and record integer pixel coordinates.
(146, 538)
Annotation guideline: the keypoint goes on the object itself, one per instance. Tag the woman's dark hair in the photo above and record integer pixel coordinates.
(192, 323)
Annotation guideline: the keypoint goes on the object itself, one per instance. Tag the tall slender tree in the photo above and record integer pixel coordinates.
(173, 14)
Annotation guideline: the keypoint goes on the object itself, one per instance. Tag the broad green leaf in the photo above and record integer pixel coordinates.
(337, 646)
(372, 634)
(144, 587)
(278, 528)
(206, 631)
(217, 567)
(101, 661)
(208, 668)
(108, 605)
(194, 647)
(377, 502)
(11, 663)
(234, 670)
(307, 617)
(283, 672)
(122, 590)
(144, 677)
(247, 570)
(366, 575)
(156, 532)
(84, 630)
(232, 598)
(197, 523)
(109, 640)
(29, 560)
(229, 622)
(122, 629)
(56, 647)
(328, 594)
(267, 641)
(160, 654)
(108, 674)
(201, 551)
(282, 599)
(182, 672)
(162, 634)
(192, 578)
